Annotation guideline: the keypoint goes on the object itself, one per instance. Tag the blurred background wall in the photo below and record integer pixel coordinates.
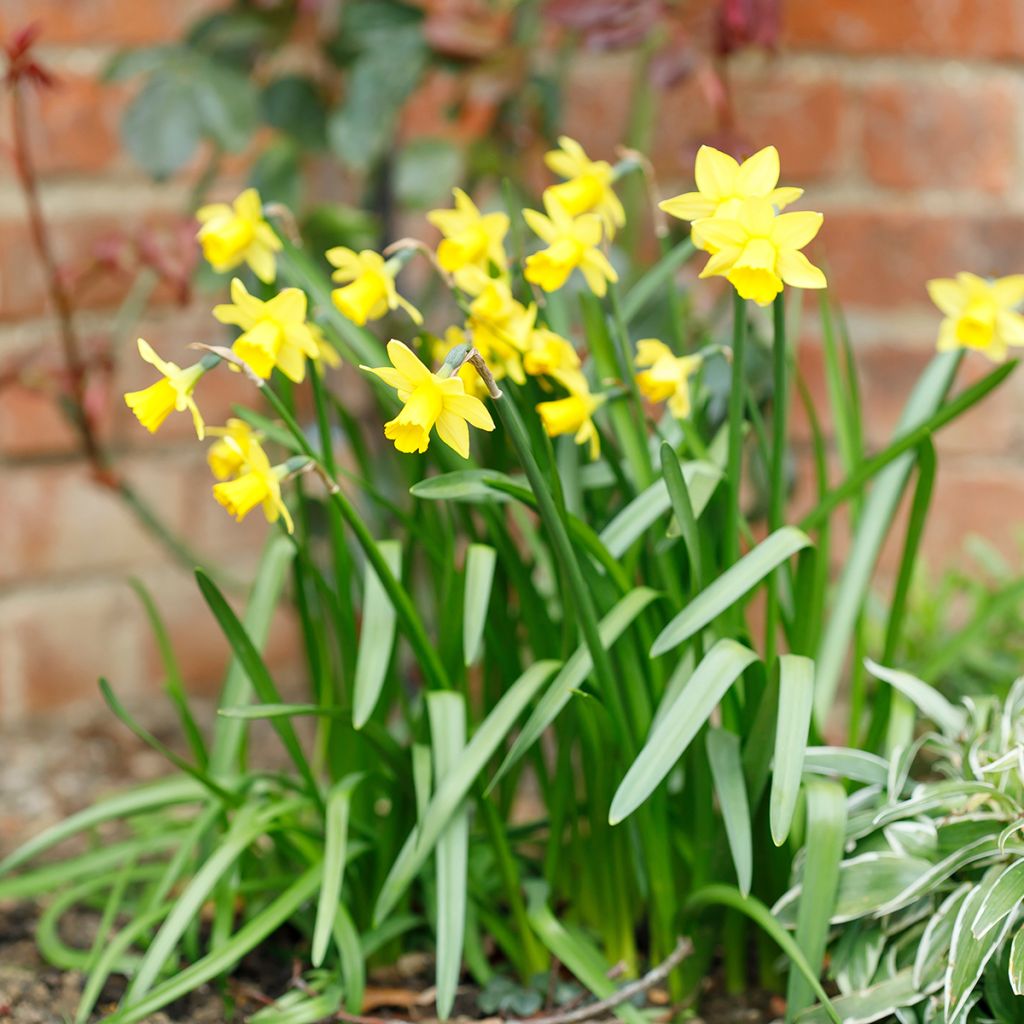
(903, 120)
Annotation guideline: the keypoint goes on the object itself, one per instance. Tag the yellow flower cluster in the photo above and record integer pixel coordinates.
(736, 216)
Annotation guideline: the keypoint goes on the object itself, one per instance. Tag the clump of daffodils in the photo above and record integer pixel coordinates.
(738, 215)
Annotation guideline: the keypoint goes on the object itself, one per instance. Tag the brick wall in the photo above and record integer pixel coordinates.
(902, 118)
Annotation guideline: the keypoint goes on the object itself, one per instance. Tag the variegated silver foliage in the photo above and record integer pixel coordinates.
(927, 926)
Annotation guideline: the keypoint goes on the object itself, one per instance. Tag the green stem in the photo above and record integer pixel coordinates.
(424, 650)
(777, 497)
(586, 613)
(734, 464)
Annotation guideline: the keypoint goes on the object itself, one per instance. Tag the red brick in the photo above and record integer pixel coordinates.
(953, 28)
(929, 135)
(58, 642)
(108, 22)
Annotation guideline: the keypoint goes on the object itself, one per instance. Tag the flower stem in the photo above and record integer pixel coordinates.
(734, 465)
(425, 652)
(777, 496)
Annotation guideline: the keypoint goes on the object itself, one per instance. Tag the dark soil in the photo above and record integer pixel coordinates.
(52, 768)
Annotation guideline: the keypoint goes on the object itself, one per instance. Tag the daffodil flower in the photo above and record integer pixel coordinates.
(229, 453)
(369, 285)
(501, 327)
(429, 401)
(572, 242)
(667, 377)
(471, 238)
(274, 333)
(238, 233)
(758, 251)
(589, 185)
(723, 184)
(255, 482)
(549, 354)
(573, 414)
(171, 393)
(979, 314)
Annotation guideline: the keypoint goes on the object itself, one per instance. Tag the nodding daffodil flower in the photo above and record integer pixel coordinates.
(228, 455)
(573, 414)
(979, 314)
(172, 392)
(572, 242)
(589, 185)
(429, 401)
(758, 251)
(274, 333)
(237, 234)
(255, 482)
(471, 238)
(369, 285)
(667, 377)
(549, 354)
(500, 326)
(723, 184)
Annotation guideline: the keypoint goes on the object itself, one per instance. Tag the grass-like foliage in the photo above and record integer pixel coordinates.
(545, 728)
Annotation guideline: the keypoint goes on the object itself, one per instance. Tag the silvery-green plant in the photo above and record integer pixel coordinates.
(926, 887)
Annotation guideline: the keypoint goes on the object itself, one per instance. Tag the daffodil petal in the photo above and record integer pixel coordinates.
(470, 409)
(795, 230)
(780, 198)
(407, 363)
(540, 225)
(689, 206)
(1010, 327)
(715, 172)
(798, 271)
(758, 174)
(947, 295)
(454, 431)
(1009, 291)
(722, 233)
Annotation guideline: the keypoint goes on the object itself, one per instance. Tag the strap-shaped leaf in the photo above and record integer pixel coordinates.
(719, 669)
(727, 775)
(796, 699)
(480, 562)
(377, 638)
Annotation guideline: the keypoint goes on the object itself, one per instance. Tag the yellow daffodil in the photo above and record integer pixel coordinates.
(979, 314)
(549, 354)
(228, 455)
(589, 185)
(369, 285)
(723, 184)
(572, 242)
(255, 482)
(429, 401)
(758, 251)
(274, 333)
(326, 354)
(500, 325)
(667, 377)
(171, 393)
(471, 238)
(573, 414)
(237, 234)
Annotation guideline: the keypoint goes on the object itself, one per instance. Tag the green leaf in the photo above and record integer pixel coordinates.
(879, 1002)
(826, 826)
(352, 956)
(453, 788)
(573, 674)
(447, 713)
(480, 562)
(252, 663)
(339, 801)
(647, 507)
(872, 529)
(657, 280)
(378, 84)
(277, 176)
(927, 699)
(932, 954)
(226, 102)
(575, 952)
(293, 104)
(228, 735)
(377, 638)
(718, 670)
(424, 172)
(1017, 962)
(968, 955)
(727, 896)
(685, 515)
(858, 765)
(222, 959)
(475, 486)
(161, 127)
(725, 591)
(796, 698)
(1003, 898)
(871, 880)
(727, 774)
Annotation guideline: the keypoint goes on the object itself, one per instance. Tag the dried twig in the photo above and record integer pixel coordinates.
(592, 1010)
